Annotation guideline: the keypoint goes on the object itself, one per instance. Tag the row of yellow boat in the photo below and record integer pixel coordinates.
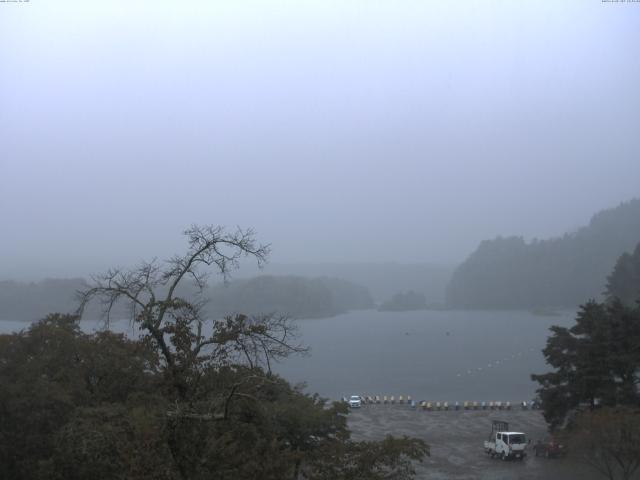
(465, 406)
(435, 406)
(401, 399)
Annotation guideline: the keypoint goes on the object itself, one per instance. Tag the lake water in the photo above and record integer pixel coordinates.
(432, 355)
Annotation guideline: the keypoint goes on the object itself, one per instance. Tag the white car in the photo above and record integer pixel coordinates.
(355, 401)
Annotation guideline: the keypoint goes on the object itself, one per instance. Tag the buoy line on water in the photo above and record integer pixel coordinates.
(492, 364)
(466, 405)
(442, 405)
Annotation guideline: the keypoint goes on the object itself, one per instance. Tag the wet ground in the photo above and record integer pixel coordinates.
(456, 439)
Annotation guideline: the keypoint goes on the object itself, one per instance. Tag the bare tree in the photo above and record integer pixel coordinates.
(176, 325)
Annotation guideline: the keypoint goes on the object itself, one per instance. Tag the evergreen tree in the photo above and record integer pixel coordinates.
(624, 281)
(596, 361)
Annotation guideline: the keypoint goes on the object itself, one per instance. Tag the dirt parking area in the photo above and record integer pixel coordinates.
(456, 440)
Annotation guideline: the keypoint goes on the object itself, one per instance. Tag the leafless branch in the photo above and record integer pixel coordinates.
(175, 325)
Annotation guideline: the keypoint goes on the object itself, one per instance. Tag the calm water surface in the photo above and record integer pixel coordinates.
(431, 355)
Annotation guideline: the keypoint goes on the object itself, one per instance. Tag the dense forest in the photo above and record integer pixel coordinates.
(295, 296)
(558, 272)
(624, 281)
(175, 404)
(382, 279)
(99, 406)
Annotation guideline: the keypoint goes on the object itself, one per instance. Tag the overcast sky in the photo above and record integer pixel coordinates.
(377, 130)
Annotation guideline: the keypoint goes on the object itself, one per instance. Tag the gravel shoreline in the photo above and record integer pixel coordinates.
(456, 440)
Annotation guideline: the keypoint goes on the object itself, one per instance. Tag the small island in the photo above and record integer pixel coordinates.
(404, 301)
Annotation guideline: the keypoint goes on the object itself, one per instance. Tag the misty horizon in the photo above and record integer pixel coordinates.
(248, 268)
(340, 133)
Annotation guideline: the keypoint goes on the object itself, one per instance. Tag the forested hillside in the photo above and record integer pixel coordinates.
(296, 296)
(558, 272)
(382, 279)
(624, 281)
